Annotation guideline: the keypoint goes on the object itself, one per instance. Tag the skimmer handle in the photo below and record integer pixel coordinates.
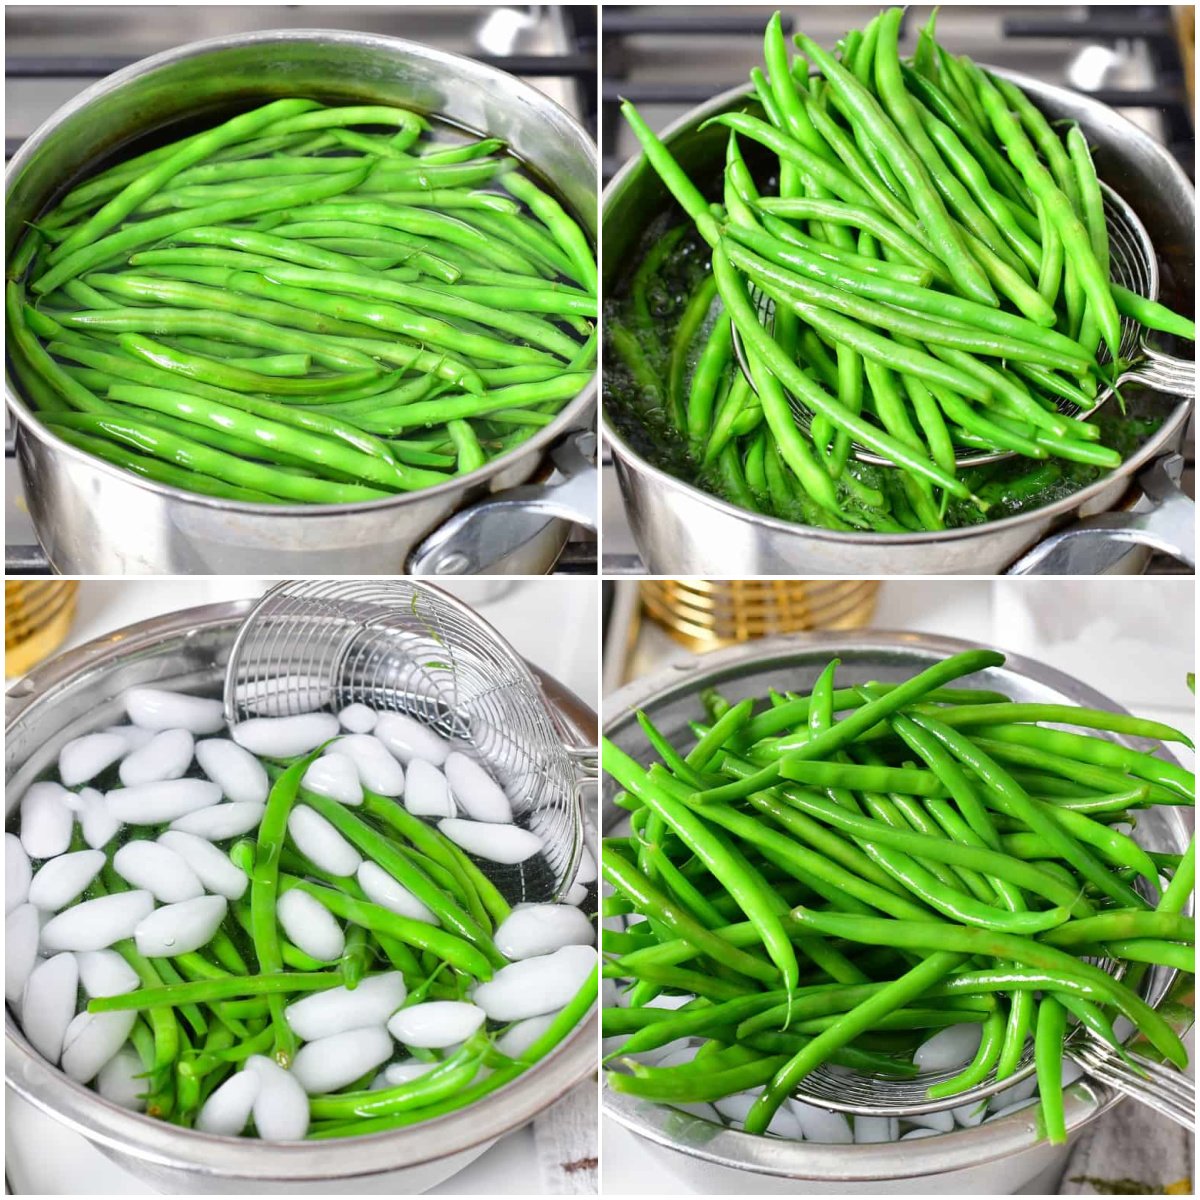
(1170, 1093)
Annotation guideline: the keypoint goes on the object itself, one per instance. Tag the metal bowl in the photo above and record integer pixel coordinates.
(94, 519)
(997, 1157)
(78, 692)
(681, 530)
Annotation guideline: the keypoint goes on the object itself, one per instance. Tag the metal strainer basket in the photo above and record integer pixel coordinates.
(1133, 264)
(408, 647)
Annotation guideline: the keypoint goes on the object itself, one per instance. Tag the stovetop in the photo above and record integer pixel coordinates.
(668, 60)
(54, 52)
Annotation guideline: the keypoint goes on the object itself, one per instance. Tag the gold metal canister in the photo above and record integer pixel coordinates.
(37, 618)
(706, 613)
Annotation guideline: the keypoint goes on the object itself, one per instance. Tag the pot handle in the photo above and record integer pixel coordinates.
(472, 540)
(1092, 545)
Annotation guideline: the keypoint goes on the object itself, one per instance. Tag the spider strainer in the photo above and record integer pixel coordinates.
(1133, 264)
(408, 647)
(1162, 1088)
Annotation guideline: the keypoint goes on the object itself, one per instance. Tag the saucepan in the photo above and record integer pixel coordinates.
(681, 530)
(511, 515)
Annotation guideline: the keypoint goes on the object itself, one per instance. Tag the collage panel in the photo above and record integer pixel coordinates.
(898, 291)
(669, 842)
(898, 878)
(340, 827)
(301, 289)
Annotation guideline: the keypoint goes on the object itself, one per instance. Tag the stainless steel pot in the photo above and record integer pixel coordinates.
(94, 519)
(79, 691)
(998, 1157)
(681, 530)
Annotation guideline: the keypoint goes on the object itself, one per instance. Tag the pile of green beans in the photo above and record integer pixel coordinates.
(303, 305)
(937, 259)
(825, 877)
(202, 1014)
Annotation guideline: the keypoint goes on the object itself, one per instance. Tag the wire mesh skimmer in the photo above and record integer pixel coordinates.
(408, 647)
(1164, 1089)
(1133, 264)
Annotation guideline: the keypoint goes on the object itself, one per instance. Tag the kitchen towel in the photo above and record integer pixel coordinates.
(566, 1140)
(1131, 1151)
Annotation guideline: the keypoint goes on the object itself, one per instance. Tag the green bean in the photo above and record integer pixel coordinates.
(159, 472)
(736, 301)
(824, 170)
(153, 439)
(795, 710)
(1151, 314)
(264, 892)
(1001, 173)
(379, 850)
(562, 227)
(532, 329)
(1058, 206)
(1048, 1054)
(863, 778)
(860, 720)
(388, 317)
(148, 183)
(420, 222)
(792, 446)
(988, 862)
(698, 306)
(144, 233)
(244, 329)
(265, 245)
(453, 949)
(986, 1057)
(519, 294)
(230, 378)
(1010, 283)
(565, 1021)
(901, 272)
(206, 991)
(897, 103)
(867, 219)
(714, 852)
(1086, 718)
(1102, 752)
(622, 875)
(852, 1024)
(1176, 893)
(523, 241)
(929, 208)
(436, 412)
(919, 300)
(409, 123)
(1010, 797)
(360, 239)
(252, 421)
(940, 936)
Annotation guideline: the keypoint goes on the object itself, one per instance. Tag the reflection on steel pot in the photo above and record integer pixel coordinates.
(79, 692)
(997, 1157)
(95, 519)
(680, 529)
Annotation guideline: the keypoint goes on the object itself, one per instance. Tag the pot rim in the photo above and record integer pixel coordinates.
(630, 458)
(153, 1141)
(573, 415)
(860, 1162)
